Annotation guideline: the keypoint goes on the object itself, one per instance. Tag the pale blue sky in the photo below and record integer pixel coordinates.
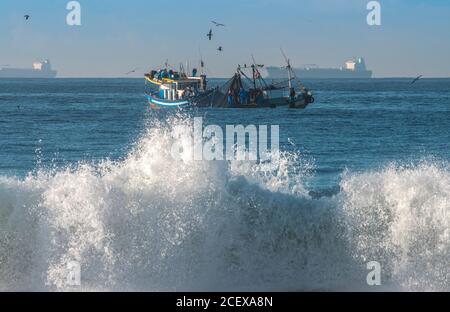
(117, 35)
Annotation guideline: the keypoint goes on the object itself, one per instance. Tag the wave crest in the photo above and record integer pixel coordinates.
(150, 222)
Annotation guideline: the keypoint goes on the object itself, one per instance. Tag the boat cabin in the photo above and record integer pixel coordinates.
(174, 86)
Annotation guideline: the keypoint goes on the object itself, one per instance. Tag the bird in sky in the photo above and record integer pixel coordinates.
(27, 17)
(220, 49)
(210, 34)
(416, 79)
(218, 24)
(131, 71)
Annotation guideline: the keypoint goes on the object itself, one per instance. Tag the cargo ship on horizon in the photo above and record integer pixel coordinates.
(39, 70)
(353, 69)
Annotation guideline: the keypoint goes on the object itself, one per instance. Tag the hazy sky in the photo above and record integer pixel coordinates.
(117, 35)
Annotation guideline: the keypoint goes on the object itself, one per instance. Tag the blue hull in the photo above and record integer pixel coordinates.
(161, 103)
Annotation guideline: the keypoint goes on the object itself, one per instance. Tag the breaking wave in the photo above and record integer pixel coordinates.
(149, 222)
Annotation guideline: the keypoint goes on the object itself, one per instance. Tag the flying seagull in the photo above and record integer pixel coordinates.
(220, 49)
(27, 17)
(218, 24)
(132, 71)
(416, 79)
(210, 34)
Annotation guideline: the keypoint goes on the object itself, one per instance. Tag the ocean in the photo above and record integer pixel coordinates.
(86, 175)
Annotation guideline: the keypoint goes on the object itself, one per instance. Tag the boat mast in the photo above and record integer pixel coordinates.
(202, 63)
(254, 76)
(289, 75)
(289, 69)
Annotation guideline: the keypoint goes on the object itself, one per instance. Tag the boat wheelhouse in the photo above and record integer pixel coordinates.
(175, 89)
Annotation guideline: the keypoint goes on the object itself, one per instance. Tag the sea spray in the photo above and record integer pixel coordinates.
(152, 222)
(400, 217)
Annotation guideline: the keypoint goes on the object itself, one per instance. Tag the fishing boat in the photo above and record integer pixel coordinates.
(297, 100)
(242, 91)
(176, 89)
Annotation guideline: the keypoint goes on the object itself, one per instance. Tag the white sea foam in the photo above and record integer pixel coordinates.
(150, 222)
(400, 217)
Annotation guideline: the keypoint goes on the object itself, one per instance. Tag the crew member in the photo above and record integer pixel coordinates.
(292, 94)
(230, 98)
(242, 96)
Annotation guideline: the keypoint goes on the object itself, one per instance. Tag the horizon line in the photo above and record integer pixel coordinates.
(227, 77)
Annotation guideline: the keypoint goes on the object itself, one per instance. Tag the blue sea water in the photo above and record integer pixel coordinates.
(85, 176)
(356, 124)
